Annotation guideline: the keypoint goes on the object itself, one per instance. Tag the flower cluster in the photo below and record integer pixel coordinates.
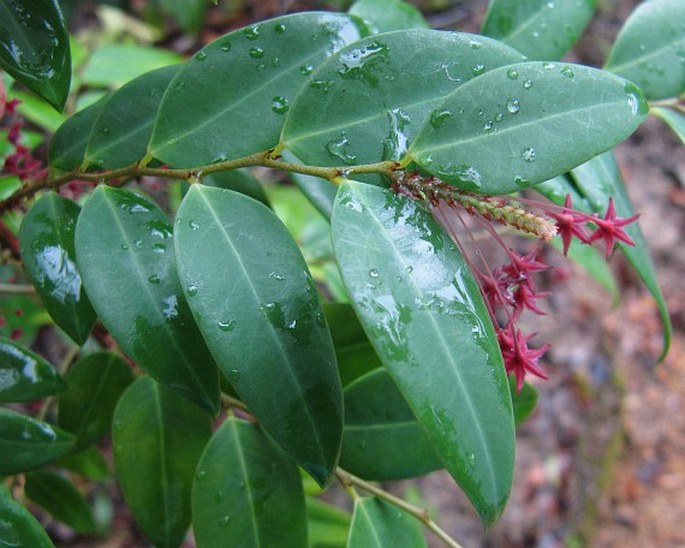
(20, 161)
(509, 289)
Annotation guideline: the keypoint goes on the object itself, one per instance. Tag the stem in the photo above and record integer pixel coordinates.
(349, 480)
(16, 288)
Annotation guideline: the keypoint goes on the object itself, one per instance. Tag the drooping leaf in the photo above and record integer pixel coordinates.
(674, 119)
(367, 102)
(158, 438)
(382, 440)
(46, 240)
(423, 312)
(265, 326)
(388, 15)
(61, 499)
(24, 375)
(328, 526)
(247, 492)
(240, 180)
(205, 103)
(379, 524)
(124, 249)
(27, 443)
(34, 48)
(650, 49)
(520, 125)
(524, 402)
(95, 385)
(18, 527)
(542, 30)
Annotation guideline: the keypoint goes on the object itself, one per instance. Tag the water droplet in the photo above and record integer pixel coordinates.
(513, 105)
(306, 70)
(566, 71)
(280, 28)
(154, 279)
(481, 113)
(105, 131)
(498, 117)
(548, 66)
(478, 69)
(475, 44)
(225, 46)
(194, 225)
(439, 116)
(251, 33)
(279, 105)
(233, 375)
(200, 475)
(277, 276)
(528, 83)
(513, 74)
(409, 269)
(323, 85)
(227, 325)
(191, 290)
(489, 125)
(528, 154)
(224, 521)
(124, 246)
(256, 53)
(374, 273)
(521, 182)
(158, 248)
(201, 56)
(138, 243)
(338, 149)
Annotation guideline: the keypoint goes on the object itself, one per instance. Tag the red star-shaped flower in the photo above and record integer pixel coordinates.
(520, 359)
(570, 223)
(610, 228)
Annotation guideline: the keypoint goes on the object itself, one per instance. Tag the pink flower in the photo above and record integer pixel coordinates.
(610, 228)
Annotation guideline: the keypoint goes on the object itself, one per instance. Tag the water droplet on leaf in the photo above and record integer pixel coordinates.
(513, 105)
(439, 116)
(279, 105)
(528, 154)
(227, 325)
(338, 149)
(256, 53)
(512, 74)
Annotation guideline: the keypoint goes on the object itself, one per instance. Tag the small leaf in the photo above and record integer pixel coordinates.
(27, 443)
(423, 312)
(328, 526)
(205, 103)
(524, 401)
(247, 492)
(124, 249)
(674, 119)
(650, 49)
(542, 30)
(158, 438)
(89, 463)
(18, 527)
(95, 385)
(378, 524)
(61, 499)
(554, 117)
(388, 15)
(34, 48)
(240, 180)
(382, 440)
(24, 375)
(272, 309)
(46, 238)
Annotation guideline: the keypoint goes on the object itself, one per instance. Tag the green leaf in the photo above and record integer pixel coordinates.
(382, 440)
(320, 192)
(266, 328)
(61, 499)
(119, 135)
(89, 463)
(247, 492)
(365, 104)
(114, 65)
(23, 315)
(328, 526)
(95, 385)
(598, 180)
(552, 117)
(124, 249)
(424, 314)
(158, 438)
(46, 239)
(189, 13)
(25, 376)
(674, 119)
(205, 103)
(18, 527)
(37, 111)
(240, 180)
(379, 524)
(388, 15)
(524, 401)
(27, 443)
(542, 30)
(650, 49)
(34, 48)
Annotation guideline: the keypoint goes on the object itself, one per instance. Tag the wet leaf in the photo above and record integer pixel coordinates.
(18, 527)
(377, 524)
(158, 438)
(24, 375)
(553, 118)
(650, 49)
(34, 48)
(423, 312)
(388, 15)
(124, 249)
(46, 238)
(240, 180)
(273, 59)
(247, 492)
(272, 309)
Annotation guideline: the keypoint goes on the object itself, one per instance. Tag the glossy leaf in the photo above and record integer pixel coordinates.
(388, 15)
(552, 117)
(542, 30)
(364, 104)
(158, 438)
(524, 401)
(34, 48)
(674, 119)
(27, 443)
(273, 60)
(382, 440)
(379, 524)
(18, 527)
(124, 249)
(89, 463)
(650, 49)
(328, 526)
(265, 328)
(24, 375)
(600, 179)
(61, 499)
(46, 239)
(247, 492)
(120, 133)
(240, 180)
(424, 314)
(95, 385)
